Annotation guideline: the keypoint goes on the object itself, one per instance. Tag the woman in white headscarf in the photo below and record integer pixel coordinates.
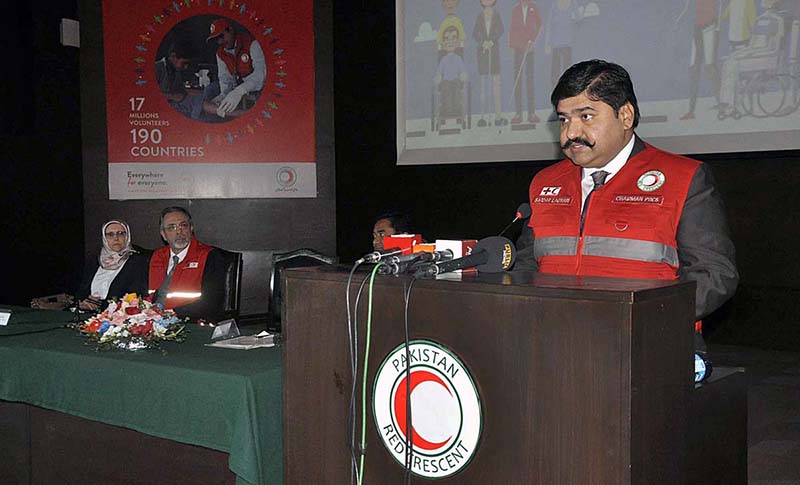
(119, 269)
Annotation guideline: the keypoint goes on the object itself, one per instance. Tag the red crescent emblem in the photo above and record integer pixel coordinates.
(417, 378)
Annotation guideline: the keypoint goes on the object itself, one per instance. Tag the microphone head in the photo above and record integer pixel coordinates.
(443, 255)
(524, 211)
(501, 253)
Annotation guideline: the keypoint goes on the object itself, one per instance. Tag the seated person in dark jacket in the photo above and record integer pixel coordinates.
(119, 269)
(186, 275)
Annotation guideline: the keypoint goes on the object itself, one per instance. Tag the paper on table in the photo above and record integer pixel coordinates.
(247, 342)
(5, 315)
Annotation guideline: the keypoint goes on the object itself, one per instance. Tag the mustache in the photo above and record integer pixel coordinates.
(582, 141)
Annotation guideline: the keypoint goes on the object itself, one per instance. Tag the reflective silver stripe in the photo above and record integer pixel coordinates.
(555, 246)
(179, 294)
(635, 249)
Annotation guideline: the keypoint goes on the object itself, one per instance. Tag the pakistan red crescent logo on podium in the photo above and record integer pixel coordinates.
(446, 417)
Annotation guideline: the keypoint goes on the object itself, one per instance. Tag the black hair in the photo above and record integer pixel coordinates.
(401, 221)
(171, 209)
(180, 49)
(602, 81)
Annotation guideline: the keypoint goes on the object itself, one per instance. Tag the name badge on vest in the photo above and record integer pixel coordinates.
(638, 199)
(552, 195)
(553, 200)
(193, 264)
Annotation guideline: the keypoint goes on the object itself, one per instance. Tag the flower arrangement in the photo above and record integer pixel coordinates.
(132, 323)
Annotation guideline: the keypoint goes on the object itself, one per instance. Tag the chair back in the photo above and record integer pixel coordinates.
(233, 282)
(291, 259)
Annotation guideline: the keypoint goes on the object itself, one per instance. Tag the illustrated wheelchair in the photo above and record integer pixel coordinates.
(449, 102)
(767, 84)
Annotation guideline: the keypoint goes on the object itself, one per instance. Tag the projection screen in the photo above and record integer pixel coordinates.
(711, 76)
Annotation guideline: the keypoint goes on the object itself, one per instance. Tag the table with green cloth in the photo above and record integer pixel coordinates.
(223, 399)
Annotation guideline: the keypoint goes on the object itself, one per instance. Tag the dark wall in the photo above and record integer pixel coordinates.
(40, 180)
(478, 200)
(763, 202)
(240, 224)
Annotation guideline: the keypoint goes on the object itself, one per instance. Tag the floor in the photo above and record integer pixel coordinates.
(773, 435)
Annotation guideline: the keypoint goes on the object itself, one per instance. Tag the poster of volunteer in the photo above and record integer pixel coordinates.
(210, 98)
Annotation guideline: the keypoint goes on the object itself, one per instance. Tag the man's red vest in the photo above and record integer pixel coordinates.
(239, 64)
(630, 223)
(187, 278)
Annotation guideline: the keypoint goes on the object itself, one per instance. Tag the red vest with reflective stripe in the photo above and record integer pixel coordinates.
(630, 223)
(239, 64)
(187, 277)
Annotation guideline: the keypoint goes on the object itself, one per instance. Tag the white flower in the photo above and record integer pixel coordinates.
(158, 330)
(139, 318)
(110, 334)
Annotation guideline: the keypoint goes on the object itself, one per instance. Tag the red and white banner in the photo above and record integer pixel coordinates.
(210, 98)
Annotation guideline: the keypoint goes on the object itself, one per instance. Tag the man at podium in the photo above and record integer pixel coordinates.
(619, 207)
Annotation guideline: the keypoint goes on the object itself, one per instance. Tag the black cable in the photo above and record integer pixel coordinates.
(409, 452)
(352, 413)
(351, 342)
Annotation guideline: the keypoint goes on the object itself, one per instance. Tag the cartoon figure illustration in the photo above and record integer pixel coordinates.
(558, 35)
(450, 20)
(761, 55)
(451, 76)
(525, 25)
(741, 15)
(791, 28)
(704, 48)
(486, 33)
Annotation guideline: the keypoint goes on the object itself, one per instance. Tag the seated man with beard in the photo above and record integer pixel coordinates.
(186, 275)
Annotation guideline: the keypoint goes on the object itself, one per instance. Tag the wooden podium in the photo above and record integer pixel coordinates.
(581, 380)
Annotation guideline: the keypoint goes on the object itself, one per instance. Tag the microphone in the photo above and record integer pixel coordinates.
(423, 257)
(491, 255)
(376, 256)
(523, 212)
(401, 264)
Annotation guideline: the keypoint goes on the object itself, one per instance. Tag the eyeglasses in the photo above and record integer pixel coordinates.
(174, 227)
(112, 235)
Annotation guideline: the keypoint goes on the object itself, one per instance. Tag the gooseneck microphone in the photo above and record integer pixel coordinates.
(523, 212)
(423, 257)
(491, 255)
(376, 256)
(405, 262)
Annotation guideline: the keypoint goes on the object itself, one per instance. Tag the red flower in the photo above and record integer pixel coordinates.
(94, 326)
(143, 330)
(133, 310)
